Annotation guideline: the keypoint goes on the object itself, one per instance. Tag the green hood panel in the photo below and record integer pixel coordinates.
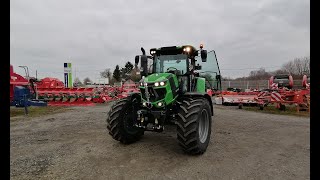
(157, 77)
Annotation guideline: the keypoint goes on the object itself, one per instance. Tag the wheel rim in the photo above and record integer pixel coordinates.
(203, 126)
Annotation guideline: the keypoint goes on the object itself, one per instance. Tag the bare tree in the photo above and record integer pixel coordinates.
(86, 81)
(106, 73)
(289, 67)
(298, 67)
(306, 65)
(77, 82)
(278, 71)
(134, 76)
(259, 74)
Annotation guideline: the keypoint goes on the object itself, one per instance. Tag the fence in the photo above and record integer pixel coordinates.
(255, 84)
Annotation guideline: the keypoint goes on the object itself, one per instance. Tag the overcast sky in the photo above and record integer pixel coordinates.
(97, 34)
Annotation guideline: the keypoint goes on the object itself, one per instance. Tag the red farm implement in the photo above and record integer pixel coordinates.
(52, 91)
(238, 98)
(280, 94)
(60, 96)
(67, 96)
(300, 98)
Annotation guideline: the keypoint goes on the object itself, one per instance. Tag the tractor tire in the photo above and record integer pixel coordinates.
(194, 125)
(120, 121)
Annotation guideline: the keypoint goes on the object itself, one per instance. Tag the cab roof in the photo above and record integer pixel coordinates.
(173, 50)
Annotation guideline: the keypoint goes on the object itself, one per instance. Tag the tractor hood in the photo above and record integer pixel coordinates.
(157, 77)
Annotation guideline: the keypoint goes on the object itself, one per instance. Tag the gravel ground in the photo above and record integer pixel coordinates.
(75, 145)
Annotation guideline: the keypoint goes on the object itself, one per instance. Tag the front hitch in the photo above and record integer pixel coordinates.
(143, 121)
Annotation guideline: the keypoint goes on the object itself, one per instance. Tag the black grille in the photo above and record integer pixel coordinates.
(155, 94)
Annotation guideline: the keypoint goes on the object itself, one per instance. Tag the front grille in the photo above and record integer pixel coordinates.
(155, 94)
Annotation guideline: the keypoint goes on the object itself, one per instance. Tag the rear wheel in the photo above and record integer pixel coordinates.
(194, 125)
(120, 121)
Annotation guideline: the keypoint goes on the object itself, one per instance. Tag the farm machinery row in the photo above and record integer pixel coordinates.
(51, 91)
(280, 92)
(84, 96)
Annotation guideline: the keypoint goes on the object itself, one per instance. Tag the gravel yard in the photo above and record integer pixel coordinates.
(76, 145)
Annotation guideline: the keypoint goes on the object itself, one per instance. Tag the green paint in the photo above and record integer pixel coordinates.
(201, 85)
(158, 77)
(70, 76)
(70, 80)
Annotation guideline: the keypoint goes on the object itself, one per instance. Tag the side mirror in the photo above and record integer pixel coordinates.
(136, 60)
(144, 65)
(204, 55)
(198, 67)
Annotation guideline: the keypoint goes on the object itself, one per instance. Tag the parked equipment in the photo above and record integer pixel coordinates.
(23, 98)
(171, 91)
(22, 92)
(306, 82)
(281, 81)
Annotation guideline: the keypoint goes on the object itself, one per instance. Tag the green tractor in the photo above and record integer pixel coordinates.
(172, 90)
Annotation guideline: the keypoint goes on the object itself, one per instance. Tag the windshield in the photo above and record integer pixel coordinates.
(165, 63)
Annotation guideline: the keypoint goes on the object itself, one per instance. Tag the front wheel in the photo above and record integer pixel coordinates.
(194, 125)
(120, 121)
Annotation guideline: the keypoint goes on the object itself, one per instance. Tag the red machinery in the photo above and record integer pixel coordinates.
(306, 82)
(281, 81)
(128, 87)
(300, 98)
(85, 96)
(53, 91)
(281, 96)
(50, 83)
(16, 80)
(280, 93)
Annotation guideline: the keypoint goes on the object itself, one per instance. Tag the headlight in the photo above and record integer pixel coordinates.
(162, 83)
(141, 84)
(144, 104)
(160, 104)
(187, 49)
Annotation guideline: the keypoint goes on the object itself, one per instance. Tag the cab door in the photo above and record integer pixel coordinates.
(210, 70)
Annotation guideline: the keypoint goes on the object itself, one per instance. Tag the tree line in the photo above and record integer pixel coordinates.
(128, 71)
(296, 67)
